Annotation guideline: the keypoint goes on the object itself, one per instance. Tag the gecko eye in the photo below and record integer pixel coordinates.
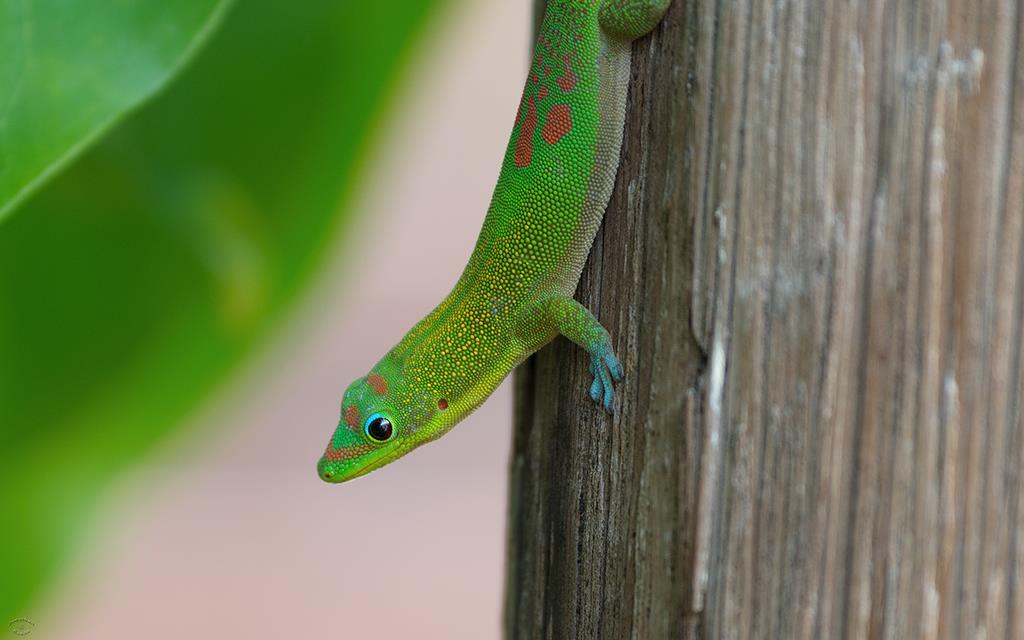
(378, 428)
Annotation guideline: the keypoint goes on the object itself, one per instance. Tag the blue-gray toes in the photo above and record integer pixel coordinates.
(607, 370)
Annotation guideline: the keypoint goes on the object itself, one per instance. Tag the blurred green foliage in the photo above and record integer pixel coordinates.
(134, 281)
(69, 69)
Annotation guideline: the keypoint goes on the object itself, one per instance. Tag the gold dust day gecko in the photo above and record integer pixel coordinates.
(515, 295)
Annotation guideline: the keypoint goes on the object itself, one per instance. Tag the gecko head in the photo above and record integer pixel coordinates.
(380, 422)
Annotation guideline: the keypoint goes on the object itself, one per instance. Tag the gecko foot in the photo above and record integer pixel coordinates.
(606, 370)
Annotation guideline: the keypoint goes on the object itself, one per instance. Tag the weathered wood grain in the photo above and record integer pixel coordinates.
(813, 268)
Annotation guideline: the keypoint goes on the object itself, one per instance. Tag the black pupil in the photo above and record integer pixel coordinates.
(379, 429)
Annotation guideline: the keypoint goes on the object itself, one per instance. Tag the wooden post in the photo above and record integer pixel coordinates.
(812, 267)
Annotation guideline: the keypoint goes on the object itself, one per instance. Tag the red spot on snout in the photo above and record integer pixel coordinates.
(352, 417)
(442, 404)
(334, 454)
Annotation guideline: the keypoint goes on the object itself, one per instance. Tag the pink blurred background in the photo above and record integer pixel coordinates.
(228, 532)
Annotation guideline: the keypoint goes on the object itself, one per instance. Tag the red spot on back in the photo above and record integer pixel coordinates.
(542, 92)
(523, 155)
(352, 417)
(442, 404)
(567, 81)
(379, 384)
(557, 124)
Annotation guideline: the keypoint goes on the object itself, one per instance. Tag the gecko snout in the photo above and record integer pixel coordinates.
(324, 471)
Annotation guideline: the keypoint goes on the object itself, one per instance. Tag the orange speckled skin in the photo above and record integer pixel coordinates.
(515, 294)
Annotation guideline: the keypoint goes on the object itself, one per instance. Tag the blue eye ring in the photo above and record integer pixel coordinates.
(378, 428)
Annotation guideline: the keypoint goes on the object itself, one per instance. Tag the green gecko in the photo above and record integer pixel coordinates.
(515, 295)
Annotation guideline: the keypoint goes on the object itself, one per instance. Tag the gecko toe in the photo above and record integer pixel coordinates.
(607, 370)
(609, 392)
(614, 366)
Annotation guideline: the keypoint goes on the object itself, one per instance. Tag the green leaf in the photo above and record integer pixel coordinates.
(70, 69)
(137, 280)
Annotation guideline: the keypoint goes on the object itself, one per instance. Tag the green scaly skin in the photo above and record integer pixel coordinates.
(515, 294)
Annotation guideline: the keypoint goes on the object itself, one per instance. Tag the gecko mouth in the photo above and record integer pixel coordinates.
(335, 473)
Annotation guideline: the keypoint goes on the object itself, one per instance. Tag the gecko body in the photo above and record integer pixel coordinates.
(515, 294)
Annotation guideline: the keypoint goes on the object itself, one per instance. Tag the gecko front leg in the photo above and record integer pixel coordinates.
(630, 19)
(555, 314)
